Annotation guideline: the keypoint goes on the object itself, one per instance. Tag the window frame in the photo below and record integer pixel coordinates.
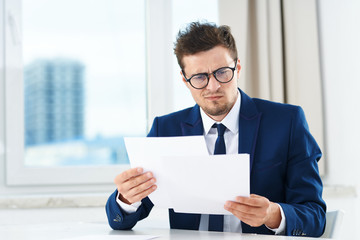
(71, 178)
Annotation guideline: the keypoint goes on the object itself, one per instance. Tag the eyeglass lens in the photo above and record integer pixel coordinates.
(222, 75)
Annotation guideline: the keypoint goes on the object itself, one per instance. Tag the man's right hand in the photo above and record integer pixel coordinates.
(134, 185)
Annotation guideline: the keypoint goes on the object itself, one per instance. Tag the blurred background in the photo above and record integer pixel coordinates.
(77, 76)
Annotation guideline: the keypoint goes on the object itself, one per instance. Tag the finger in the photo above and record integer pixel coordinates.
(250, 219)
(255, 196)
(126, 175)
(142, 187)
(243, 209)
(143, 194)
(240, 215)
(247, 210)
(255, 201)
(134, 182)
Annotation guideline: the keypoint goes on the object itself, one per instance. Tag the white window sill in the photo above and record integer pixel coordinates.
(54, 201)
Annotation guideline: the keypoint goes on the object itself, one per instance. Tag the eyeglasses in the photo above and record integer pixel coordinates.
(201, 80)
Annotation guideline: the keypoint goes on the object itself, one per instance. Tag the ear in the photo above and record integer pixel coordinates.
(182, 77)
(238, 66)
(184, 80)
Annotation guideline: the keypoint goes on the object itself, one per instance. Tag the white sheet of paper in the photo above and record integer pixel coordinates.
(202, 184)
(188, 178)
(147, 152)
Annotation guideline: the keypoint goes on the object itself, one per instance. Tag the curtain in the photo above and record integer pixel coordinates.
(278, 45)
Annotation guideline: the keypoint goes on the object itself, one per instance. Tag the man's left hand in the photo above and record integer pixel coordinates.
(255, 211)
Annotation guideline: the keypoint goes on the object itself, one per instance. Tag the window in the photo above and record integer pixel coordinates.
(84, 80)
(78, 78)
(78, 87)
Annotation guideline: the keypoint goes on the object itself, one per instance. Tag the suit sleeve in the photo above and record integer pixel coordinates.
(304, 207)
(119, 219)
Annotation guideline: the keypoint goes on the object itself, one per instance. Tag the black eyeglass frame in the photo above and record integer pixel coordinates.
(208, 75)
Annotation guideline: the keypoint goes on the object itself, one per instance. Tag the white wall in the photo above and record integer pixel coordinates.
(340, 53)
(340, 50)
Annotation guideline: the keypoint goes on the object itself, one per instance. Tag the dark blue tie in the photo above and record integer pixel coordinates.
(220, 142)
(216, 222)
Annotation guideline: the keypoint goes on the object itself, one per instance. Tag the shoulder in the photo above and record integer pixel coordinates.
(276, 109)
(170, 124)
(251, 107)
(178, 115)
(280, 114)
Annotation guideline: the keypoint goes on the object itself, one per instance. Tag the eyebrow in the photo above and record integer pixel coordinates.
(209, 72)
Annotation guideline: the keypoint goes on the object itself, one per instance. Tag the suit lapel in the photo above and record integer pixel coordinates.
(249, 122)
(193, 123)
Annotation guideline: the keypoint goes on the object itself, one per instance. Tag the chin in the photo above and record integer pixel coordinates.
(215, 112)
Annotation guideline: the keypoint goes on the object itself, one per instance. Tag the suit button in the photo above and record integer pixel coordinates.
(118, 218)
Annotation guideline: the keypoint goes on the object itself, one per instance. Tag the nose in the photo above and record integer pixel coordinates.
(213, 84)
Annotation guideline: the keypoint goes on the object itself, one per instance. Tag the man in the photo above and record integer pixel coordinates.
(285, 186)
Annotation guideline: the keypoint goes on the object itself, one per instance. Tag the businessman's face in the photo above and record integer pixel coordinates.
(216, 99)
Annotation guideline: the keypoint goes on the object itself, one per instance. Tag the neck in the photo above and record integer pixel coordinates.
(217, 118)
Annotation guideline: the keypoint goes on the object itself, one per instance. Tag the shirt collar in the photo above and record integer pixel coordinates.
(231, 120)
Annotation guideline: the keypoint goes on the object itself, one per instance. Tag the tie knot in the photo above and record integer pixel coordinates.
(220, 128)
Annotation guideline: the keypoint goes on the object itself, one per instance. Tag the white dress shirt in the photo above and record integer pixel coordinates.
(231, 136)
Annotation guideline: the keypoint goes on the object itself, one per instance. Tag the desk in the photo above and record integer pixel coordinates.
(55, 224)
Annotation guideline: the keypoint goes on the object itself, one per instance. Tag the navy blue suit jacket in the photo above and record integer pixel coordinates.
(283, 166)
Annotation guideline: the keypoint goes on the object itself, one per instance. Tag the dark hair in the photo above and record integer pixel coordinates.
(198, 37)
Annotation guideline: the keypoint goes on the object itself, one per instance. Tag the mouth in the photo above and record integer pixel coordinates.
(213, 97)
